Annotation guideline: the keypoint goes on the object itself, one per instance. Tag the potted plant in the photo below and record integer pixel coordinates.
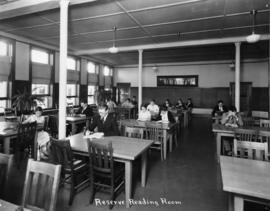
(24, 102)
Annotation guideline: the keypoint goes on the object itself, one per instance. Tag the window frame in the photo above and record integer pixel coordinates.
(77, 63)
(76, 96)
(49, 53)
(88, 62)
(49, 95)
(91, 95)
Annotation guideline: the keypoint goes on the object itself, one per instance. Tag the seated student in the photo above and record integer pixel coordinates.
(134, 101)
(85, 109)
(37, 117)
(43, 137)
(104, 122)
(189, 104)
(127, 103)
(166, 116)
(167, 104)
(232, 118)
(144, 114)
(154, 109)
(111, 105)
(219, 109)
(180, 105)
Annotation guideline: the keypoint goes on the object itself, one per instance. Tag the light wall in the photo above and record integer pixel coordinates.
(211, 74)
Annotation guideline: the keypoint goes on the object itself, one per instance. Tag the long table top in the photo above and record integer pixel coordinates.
(8, 128)
(245, 176)
(143, 124)
(219, 128)
(123, 147)
(7, 206)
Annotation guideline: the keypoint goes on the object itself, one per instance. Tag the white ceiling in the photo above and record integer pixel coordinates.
(147, 22)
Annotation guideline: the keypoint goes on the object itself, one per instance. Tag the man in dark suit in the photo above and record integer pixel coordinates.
(104, 122)
(219, 109)
(85, 109)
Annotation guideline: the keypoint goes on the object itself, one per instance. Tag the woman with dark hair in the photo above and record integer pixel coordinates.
(144, 114)
(180, 105)
(167, 104)
(232, 118)
(166, 116)
(37, 117)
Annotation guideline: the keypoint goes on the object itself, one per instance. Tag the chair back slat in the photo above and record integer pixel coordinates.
(100, 157)
(61, 152)
(248, 121)
(246, 135)
(265, 123)
(134, 132)
(251, 150)
(41, 186)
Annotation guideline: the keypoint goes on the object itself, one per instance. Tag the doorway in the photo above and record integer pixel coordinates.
(245, 95)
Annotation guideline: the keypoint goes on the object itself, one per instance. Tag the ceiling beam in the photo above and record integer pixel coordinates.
(25, 7)
(172, 45)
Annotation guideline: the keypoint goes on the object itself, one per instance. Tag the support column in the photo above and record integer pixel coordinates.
(63, 68)
(140, 79)
(269, 83)
(237, 76)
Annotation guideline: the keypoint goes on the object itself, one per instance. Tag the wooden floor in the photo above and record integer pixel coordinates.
(190, 177)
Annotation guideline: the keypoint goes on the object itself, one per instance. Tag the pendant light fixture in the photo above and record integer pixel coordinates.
(253, 37)
(114, 49)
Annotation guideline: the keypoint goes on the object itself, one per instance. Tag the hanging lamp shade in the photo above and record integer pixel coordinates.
(114, 49)
(253, 37)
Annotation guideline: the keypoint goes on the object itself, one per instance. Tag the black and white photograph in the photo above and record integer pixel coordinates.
(134, 105)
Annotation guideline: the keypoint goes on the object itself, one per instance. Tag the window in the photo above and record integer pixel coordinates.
(4, 100)
(91, 94)
(71, 63)
(44, 92)
(91, 67)
(3, 48)
(40, 56)
(182, 80)
(72, 94)
(106, 71)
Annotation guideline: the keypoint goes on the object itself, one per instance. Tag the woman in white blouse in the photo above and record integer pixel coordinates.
(144, 114)
(37, 117)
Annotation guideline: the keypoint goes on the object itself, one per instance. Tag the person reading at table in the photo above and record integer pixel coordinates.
(37, 117)
(127, 104)
(232, 118)
(111, 105)
(180, 105)
(104, 122)
(219, 109)
(154, 109)
(144, 114)
(166, 116)
(85, 109)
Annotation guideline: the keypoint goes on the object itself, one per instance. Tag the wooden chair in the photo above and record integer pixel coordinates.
(134, 132)
(104, 172)
(265, 123)
(250, 150)
(248, 121)
(41, 186)
(74, 171)
(26, 141)
(6, 162)
(246, 134)
(155, 134)
(53, 125)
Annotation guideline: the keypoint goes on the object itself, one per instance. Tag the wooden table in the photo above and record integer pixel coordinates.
(75, 120)
(245, 179)
(142, 124)
(222, 130)
(125, 150)
(8, 130)
(7, 206)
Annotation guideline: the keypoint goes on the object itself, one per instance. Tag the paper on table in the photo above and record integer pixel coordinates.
(95, 135)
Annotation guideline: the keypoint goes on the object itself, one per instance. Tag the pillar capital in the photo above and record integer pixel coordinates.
(237, 44)
(140, 50)
(64, 3)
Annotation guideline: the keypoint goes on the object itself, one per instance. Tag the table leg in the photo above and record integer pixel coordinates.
(144, 168)
(6, 145)
(171, 140)
(73, 128)
(230, 200)
(218, 140)
(165, 144)
(128, 181)
(238, 203)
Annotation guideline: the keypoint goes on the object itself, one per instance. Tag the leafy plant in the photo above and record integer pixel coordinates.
(24, 102)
